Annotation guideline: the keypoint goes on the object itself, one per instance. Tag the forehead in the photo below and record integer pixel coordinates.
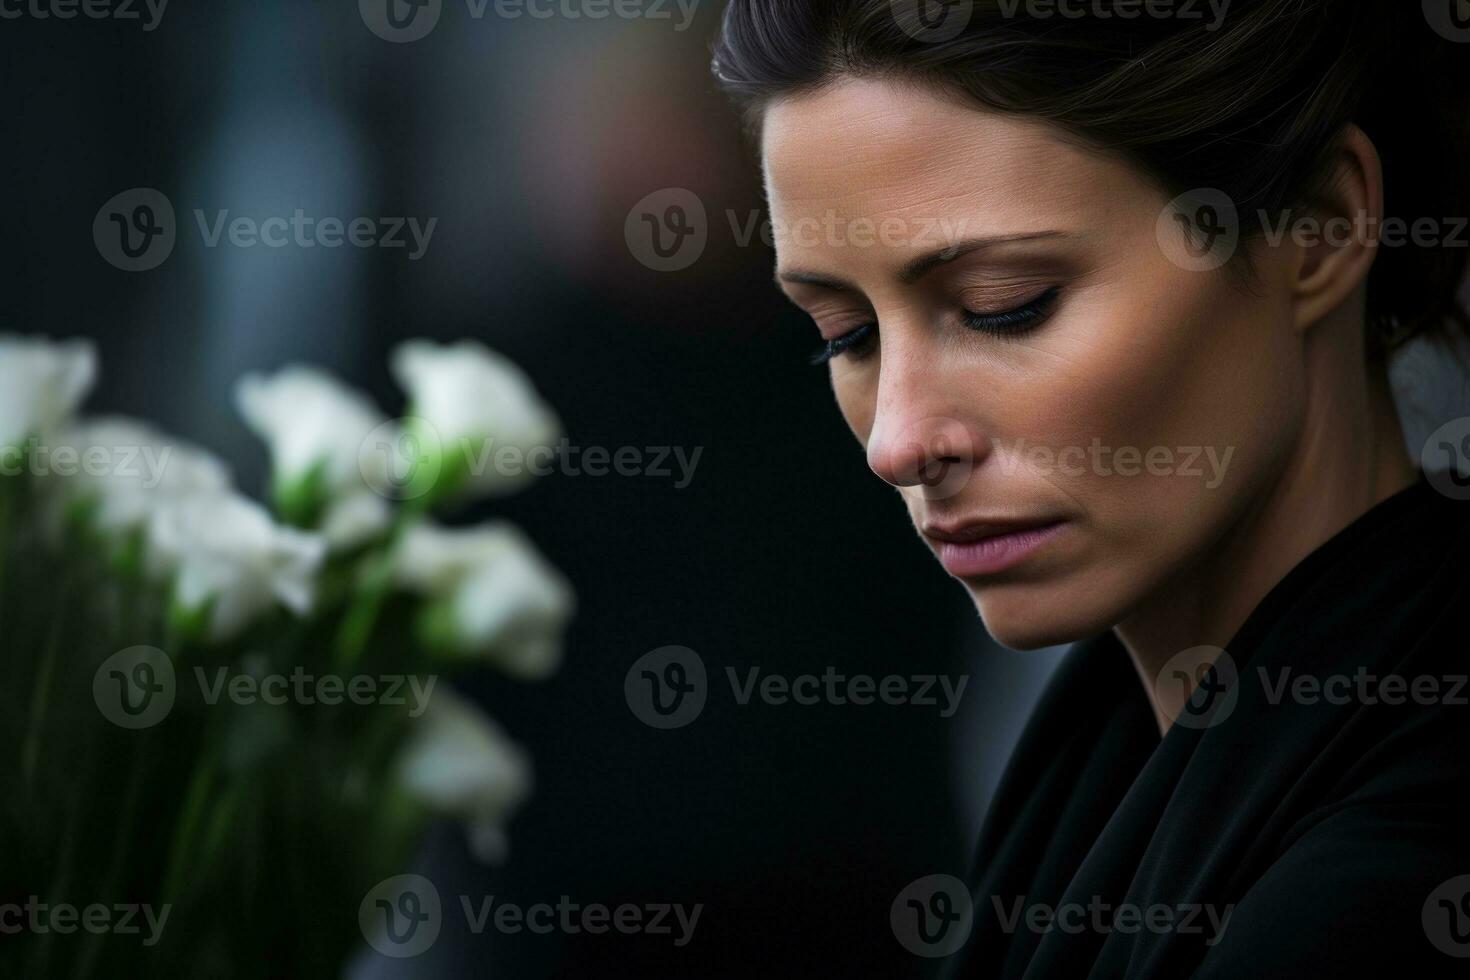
(877, 149)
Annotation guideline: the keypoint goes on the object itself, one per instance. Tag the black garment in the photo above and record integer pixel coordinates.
(1320, 828)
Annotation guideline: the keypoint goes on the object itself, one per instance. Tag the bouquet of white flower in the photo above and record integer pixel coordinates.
(227, 717)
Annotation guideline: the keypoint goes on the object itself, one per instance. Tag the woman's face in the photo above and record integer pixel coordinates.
(1073, 416)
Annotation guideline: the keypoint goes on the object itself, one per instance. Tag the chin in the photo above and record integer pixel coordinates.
(1032, 615)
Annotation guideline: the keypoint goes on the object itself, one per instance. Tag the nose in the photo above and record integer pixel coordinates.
(920, 437)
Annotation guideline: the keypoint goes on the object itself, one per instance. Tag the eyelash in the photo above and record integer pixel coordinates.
(1008, 323)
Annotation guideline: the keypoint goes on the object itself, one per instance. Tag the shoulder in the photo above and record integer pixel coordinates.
(1379, 889)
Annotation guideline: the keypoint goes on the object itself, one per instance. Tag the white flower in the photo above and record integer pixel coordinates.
(125, 469)
(458, 763)
(491, 594)
(227, 558)
(476, 402)
(315, 427)
(355, 520)
(41, 384)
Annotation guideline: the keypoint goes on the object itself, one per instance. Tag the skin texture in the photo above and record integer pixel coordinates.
(1137, 353)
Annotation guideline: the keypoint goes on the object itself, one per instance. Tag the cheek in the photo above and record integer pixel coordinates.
(1195, 380)
(854, 386)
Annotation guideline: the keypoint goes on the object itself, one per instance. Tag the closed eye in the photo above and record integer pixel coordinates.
(1015, 321)
(854, 340)
(1005, 323)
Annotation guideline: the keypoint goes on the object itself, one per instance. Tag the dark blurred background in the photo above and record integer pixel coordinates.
(532, 140)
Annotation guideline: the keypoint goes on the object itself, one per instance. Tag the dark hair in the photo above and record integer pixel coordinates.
(1252, 106)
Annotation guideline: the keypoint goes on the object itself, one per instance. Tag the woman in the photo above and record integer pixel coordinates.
(1107, 291)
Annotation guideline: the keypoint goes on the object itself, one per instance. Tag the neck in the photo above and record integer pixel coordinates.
(1349, 456)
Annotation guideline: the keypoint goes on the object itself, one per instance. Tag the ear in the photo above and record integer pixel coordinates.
(1336, 250)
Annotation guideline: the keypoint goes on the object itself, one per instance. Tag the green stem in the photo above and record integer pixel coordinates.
(120, 848)
(7, 494)
(41, 690)
(196, 799)
(222, 811)
(66, 853)
(377, 578)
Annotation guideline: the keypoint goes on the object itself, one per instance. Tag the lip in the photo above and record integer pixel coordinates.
(989, 546)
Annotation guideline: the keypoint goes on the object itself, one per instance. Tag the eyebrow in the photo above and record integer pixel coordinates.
(917, 268)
